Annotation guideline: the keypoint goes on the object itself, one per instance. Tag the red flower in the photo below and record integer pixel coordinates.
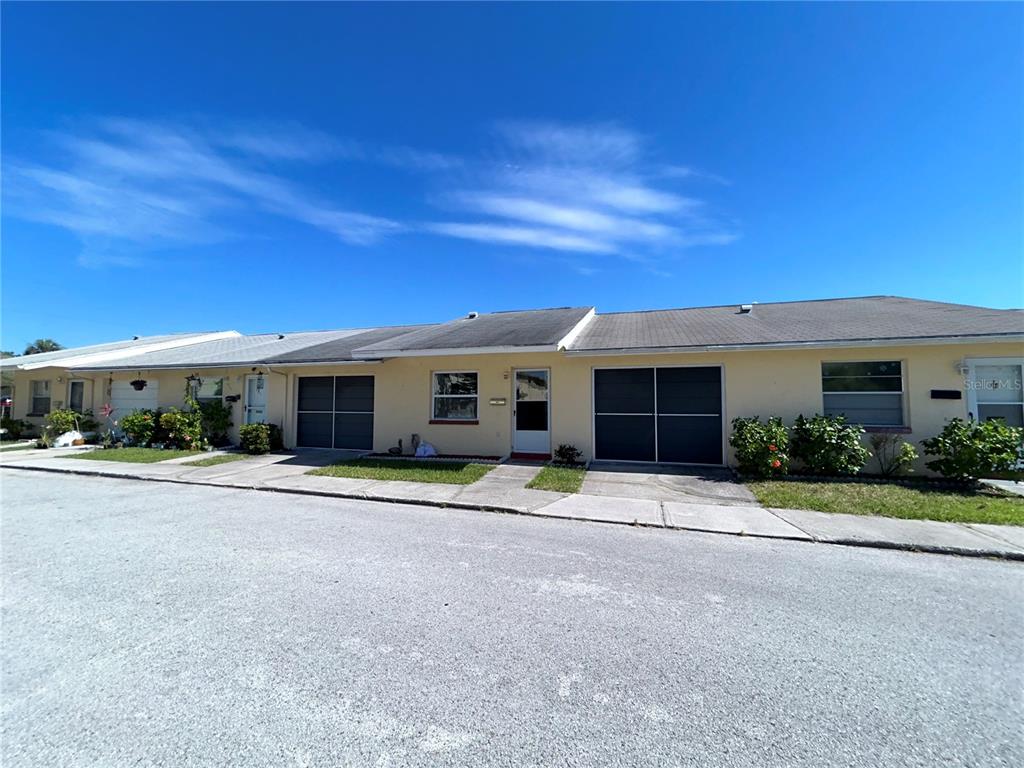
(776, 464)
(772, 447)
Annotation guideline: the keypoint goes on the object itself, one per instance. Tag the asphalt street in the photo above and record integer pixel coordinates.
(153, 624)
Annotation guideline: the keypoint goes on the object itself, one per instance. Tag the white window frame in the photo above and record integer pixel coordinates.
(33, 397)
(197, 385)
(904, 421)
(434, 397)
(971, 364)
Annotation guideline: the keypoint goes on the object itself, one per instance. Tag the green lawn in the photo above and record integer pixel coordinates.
(133, 455)
(11, 445)
(212, 461)
(891, 500)
(455, 472)
(561, 479)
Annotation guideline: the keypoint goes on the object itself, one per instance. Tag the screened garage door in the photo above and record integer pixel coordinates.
(671, 415)
(335, 412)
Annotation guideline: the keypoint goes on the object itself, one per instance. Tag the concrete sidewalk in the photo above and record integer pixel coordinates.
(502, 490)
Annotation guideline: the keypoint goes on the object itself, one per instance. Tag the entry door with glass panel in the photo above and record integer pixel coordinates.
(531, 412)
(995, 390)
(255, 399)
(76, 395)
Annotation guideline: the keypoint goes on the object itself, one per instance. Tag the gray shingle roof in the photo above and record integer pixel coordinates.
(340, 349)
(868, 318)
(527, 328)
(93, 349)
(239, 350)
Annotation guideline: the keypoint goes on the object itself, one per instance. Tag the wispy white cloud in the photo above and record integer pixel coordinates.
(126, 186)
(584, 189)
(129, 187)
(533, 236)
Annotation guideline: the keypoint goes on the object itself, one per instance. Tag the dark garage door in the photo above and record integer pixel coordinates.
(671, 415)
(335, 412)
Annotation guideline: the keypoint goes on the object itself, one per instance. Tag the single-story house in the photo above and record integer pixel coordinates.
(660, 385)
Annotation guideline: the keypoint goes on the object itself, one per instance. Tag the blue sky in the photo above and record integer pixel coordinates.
(270, 167)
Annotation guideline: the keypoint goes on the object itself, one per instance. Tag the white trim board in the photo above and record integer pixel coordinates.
(620, 351)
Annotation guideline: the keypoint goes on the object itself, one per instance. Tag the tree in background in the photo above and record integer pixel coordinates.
(43, 345)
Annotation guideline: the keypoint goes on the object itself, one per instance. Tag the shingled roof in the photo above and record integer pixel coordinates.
(869, 318)
(519, 329)
(865, 320)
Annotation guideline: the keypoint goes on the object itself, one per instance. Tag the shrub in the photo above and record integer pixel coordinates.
(184, 428)
(762, 450)
(138, 426)
(968, 450)
(16, 427)
(567, 454)
(87, 422)
(60, 421)
(255, 438)
(828, 445)
(216, 419)
(893, 455)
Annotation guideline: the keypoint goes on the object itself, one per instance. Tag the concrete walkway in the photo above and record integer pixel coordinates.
(502, 490)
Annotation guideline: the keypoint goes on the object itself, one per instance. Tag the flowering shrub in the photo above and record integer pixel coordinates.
(829, 445)
(138, 426)
(183, 429)
(255, 438)
(968, 450)
(762, 450)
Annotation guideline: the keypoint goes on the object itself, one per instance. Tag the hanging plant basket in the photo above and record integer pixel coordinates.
(138, 385)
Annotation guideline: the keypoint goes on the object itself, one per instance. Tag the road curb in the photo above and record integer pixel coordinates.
(844, 542)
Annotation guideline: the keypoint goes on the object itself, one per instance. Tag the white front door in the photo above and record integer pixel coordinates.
(995, 390)
(531, 414)
(255, 399)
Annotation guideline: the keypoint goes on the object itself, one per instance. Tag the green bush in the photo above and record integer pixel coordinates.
(567, 454)
(87, 422)
(829, 445)
(216, 418)
(255, 438)
(762, 450)
(184, 429)
(138, 426)
(60, 421)
(16, 427)
(968, 450)
(894, 456)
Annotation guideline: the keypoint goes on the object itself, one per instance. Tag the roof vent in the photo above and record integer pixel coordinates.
(746, 308)
(472, 315)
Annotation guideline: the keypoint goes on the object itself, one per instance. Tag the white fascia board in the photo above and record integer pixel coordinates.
(217, 366)
(321, 363)
(911, 342)
(570, 337)
(98, 358)
(451, 352)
